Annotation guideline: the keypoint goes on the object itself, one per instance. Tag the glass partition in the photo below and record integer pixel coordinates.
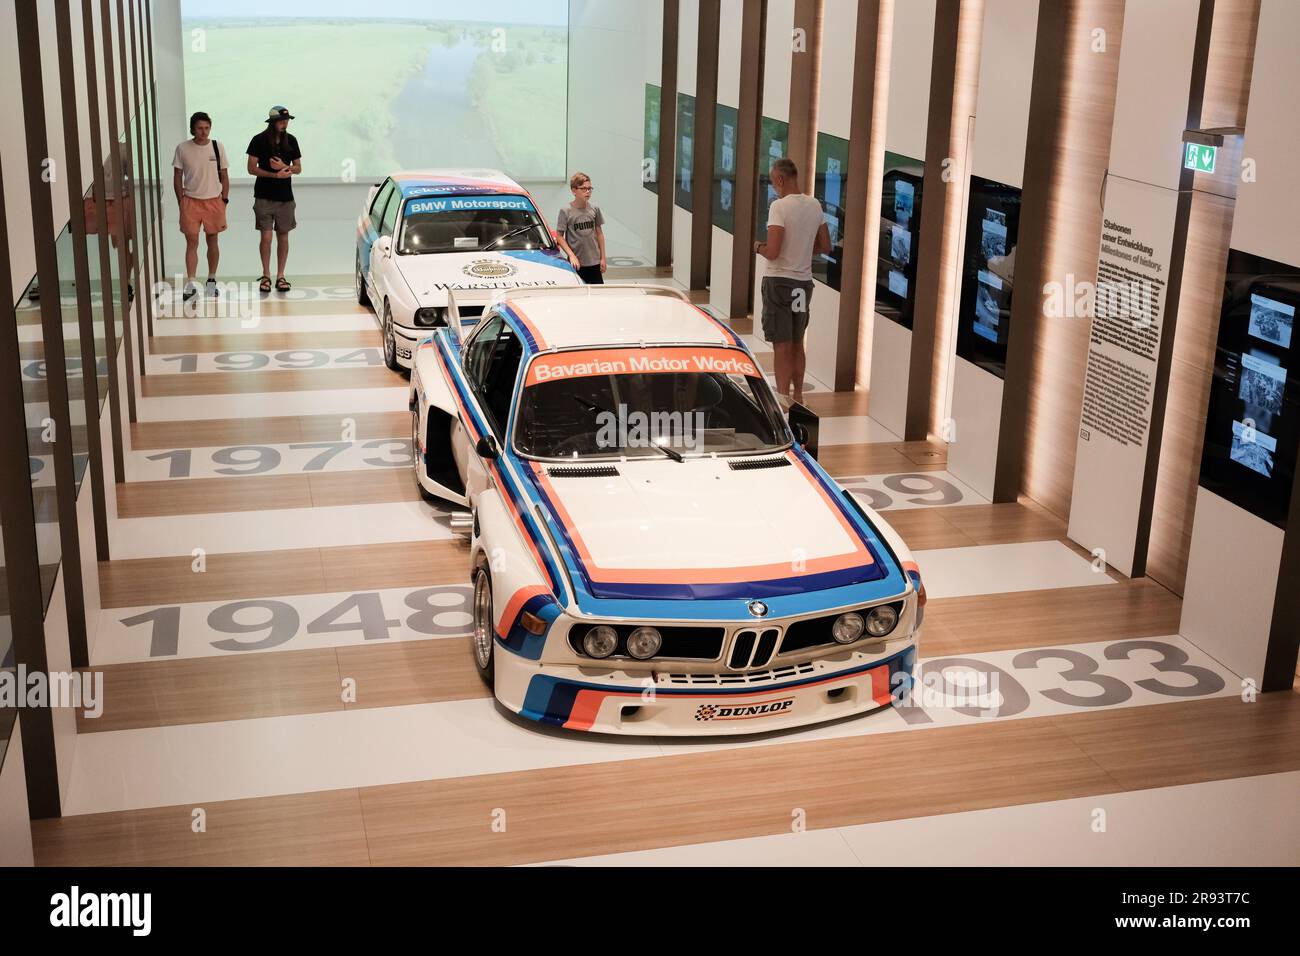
(725, 131)
(74, 365)
(113, 212)
(773, 139)
(830, 186)
(685, 150)
(40, 434)
(650, 139)
(99, 304)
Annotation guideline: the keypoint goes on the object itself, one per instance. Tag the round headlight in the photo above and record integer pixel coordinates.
(847, 627)
(644, 643)
(600, 641)
(881, 620)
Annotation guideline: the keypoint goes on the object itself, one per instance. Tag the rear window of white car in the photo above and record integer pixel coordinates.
(471, 224)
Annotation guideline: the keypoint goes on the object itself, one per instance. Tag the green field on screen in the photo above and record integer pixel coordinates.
(371, 96)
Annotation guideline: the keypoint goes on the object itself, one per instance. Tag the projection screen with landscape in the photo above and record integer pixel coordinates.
(381, 85)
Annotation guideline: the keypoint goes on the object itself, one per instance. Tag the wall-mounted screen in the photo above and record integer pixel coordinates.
(386, 84)
(650, 139)
(724, 167)
(685, 155)
(829, 187)
(1253, 426)
(773, 140)
(984, 319)
(899, 240)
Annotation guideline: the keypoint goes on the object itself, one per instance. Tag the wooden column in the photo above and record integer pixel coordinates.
(667, 136)
(862, 195)
(953, 80)
(805, 80)
(753, 47)
(706, 114)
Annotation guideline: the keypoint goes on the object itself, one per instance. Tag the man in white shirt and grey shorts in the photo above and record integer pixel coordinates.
(202, 186)
(796, 231)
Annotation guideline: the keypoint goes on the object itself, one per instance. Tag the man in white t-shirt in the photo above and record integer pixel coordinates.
(202, 185)
(796, 231)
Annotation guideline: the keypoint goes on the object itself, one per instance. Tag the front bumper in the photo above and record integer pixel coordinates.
(665, 704)
(406, 340)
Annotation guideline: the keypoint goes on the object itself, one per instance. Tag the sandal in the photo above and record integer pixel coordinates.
(282, 284)
(264, 284)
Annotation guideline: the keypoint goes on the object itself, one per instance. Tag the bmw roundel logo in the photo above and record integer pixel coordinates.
(758, 608)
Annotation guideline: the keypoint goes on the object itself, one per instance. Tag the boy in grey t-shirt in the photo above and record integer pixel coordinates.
(579, 232)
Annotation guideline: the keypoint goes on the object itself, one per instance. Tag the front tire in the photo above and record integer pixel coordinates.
(362, 297)
(483, 635)
(415, 457)
(390, 341)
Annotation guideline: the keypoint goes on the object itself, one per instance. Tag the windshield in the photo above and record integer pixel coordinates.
(470, 224)
(607, 403)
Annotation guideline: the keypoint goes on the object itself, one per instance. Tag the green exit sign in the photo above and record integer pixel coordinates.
(1200, 158)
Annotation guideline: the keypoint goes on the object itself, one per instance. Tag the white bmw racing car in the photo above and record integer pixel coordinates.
(424, 234)
(653, 549)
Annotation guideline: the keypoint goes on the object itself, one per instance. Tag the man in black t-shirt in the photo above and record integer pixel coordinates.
(274, 157)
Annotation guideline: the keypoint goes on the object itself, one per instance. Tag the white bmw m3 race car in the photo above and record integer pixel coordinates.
(424, 234)
(653, 549)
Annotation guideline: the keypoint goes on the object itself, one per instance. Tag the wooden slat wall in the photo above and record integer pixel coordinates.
(1227, 91)
(1078, 161)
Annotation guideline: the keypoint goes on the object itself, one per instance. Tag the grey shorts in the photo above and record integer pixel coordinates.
(786, 303)
(271, 215)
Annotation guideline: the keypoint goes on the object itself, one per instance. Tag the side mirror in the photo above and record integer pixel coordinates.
(487, 447)
(384, 245)
(805, 427)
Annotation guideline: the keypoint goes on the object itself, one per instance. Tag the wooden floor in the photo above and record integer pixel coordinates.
(628, 795)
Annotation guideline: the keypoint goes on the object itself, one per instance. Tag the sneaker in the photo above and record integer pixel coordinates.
(212, 288)
(191, 290)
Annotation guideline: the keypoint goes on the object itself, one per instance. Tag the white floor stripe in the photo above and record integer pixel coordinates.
(852, 430)
(181, 363)
(1254, 823)
(341, 402)
(1000, 568)
(265, 323)
(330, 527)
(231, 760)
(293, 458)
(129, 769)
(286, 623)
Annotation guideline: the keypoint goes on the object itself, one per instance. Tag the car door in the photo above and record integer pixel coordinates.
(491, 364)
(370, 228)
(381, 266)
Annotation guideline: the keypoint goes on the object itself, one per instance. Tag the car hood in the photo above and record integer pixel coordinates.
(432, 276)
(704, 528)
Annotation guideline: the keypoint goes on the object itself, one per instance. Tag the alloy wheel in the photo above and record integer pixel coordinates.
(482, 621)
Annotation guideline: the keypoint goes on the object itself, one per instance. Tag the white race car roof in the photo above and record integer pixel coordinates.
(614, 316)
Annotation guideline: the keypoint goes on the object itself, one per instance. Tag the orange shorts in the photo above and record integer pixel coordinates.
(208, 213)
